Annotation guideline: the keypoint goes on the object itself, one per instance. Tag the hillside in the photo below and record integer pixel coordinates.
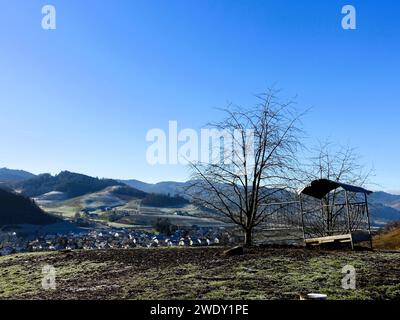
(10, 175)
(16, 209)
(389, 238)
(387, 199)
(72, 184)
(163, 201)
(50, 197)
(384, 197)
(109, 197)
(200, 273)
(381, 214)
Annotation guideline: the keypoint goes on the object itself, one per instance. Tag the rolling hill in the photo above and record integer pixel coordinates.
(121, 196)
(17, 209)
(71, 184)
(110, 197)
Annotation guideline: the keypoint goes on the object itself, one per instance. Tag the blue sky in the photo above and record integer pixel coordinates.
(83, 96)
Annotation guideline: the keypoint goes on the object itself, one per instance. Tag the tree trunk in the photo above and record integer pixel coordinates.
(248, 240)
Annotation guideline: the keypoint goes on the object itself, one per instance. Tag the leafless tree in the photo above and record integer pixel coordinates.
(342, 164)
(240, 181)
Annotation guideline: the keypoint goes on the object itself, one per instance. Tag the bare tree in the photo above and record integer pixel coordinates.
(341, 164)
(240, 181)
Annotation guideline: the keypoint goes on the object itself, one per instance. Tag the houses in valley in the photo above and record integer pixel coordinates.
(112, 238)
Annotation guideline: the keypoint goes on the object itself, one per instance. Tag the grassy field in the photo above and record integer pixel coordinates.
(200, 273)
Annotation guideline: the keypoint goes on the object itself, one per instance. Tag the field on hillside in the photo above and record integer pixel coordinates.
(200, 273)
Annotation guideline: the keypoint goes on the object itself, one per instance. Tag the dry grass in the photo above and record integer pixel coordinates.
(388, 240)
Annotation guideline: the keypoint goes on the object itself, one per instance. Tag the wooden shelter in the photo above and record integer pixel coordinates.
(334, 212)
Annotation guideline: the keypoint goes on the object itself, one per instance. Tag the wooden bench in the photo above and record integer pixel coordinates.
(351, 238)
(342, 238)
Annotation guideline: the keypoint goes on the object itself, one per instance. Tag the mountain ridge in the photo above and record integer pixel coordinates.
(14, 175)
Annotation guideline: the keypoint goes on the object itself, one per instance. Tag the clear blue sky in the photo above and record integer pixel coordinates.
(82, 97)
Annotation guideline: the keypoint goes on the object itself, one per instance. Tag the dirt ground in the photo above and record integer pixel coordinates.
(200, 273)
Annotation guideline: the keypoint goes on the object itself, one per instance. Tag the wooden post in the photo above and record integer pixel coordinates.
(348, 217)
(326, 223)
(302, 217)
(368, 219)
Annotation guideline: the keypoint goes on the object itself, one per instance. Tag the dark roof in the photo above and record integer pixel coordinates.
(320, 188)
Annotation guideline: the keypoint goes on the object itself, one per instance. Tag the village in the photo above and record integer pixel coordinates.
(112, 238)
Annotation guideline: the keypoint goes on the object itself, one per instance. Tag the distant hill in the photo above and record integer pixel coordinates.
(17, 209)
(46, 188)
(11, 175)
(163, 201)
(387, 199)
(381, 214)
(72, 184)
(384, 206)
(174, 188)
(166, 187)
(384, 197)
(137, 184)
